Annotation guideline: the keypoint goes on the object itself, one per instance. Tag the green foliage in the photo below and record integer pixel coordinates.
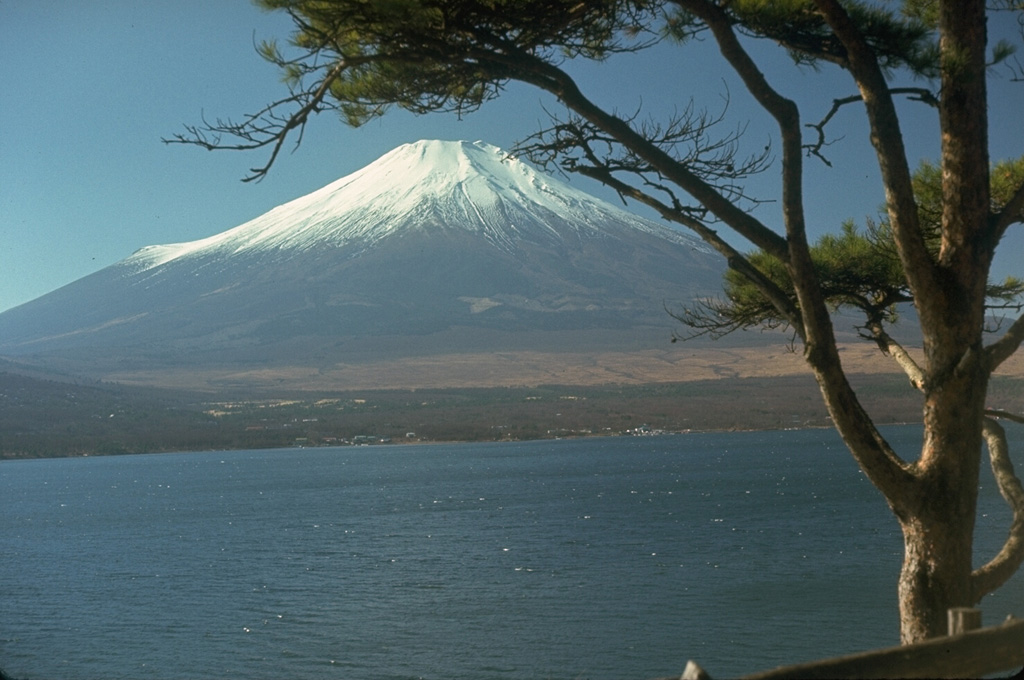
(441, 55)
(855, 271)
(1007, 176)
(898, 41)
(861, 270)
(924, 11)
(451, 55)
(359, 58)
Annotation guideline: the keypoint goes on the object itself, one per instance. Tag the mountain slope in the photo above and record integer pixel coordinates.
(429, 185)
(449, 244)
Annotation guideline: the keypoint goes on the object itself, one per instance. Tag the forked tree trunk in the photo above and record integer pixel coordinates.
(938, 522)
(938, 517)
(934, 499)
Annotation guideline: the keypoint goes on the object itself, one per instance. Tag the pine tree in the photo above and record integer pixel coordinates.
(933, 246)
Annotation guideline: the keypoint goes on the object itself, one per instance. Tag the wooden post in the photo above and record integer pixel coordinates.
(963, 619)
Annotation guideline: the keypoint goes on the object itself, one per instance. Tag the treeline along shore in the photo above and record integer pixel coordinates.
(51, 418)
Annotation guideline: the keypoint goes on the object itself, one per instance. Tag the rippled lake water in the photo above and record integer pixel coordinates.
(598, 558)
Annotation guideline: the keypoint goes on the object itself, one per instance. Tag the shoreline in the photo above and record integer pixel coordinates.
(448, 442)
(49, 419)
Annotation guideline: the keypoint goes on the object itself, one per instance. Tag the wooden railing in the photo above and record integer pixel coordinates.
(968, 652)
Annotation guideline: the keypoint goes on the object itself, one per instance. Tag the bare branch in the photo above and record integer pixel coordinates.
(574, 141)
(734, 259)
(575, 144)
(1016, 69)
(531, 69)
(717, 318)
(1000, 568)
(265, 127)
(783, 110)
(814, 149)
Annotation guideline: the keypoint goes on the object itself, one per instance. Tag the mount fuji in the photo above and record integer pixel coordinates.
(435, 248)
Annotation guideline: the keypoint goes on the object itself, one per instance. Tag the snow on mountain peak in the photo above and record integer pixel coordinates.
(430, 183)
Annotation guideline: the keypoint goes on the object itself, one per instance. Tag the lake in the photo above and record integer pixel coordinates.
(593, 558)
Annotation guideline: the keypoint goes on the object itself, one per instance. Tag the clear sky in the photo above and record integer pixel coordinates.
(88, 89)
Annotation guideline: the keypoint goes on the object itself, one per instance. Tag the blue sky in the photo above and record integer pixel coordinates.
(88, 89)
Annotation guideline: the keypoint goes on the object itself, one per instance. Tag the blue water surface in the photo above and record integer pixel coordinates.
(596, 558)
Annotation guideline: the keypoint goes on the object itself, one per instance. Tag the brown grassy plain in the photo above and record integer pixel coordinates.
(676, 364)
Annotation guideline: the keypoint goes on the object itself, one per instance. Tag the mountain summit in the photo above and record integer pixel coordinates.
(436, 246)
(425, 186)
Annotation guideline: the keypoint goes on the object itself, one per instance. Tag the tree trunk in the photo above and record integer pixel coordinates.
(938, 519)
(936, 571)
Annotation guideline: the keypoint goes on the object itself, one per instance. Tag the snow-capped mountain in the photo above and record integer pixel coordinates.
(436, 243)
(431, 184)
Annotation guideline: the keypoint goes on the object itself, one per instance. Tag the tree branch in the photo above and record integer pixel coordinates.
(1000, 568)
(571, 144)
(868, 446)
(734, 259)
(887, 139)
(1011, 213)
(783, 110)
(915, 93)
(265, 127)
(531, 69)
(1004, 348)
(890, 346)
